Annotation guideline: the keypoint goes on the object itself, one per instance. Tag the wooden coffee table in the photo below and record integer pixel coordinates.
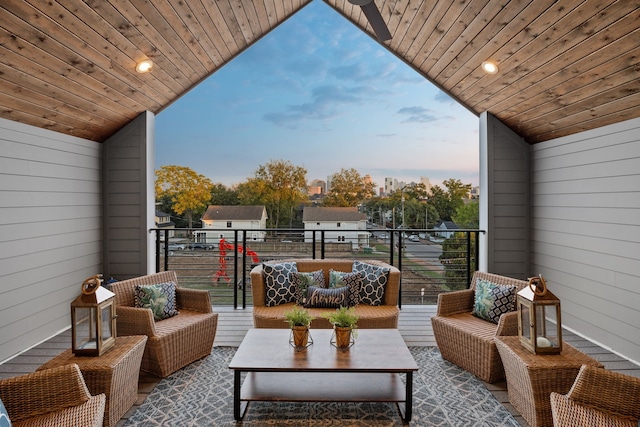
(277, 372)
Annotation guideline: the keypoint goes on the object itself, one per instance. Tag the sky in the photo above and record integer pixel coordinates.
(322, 94)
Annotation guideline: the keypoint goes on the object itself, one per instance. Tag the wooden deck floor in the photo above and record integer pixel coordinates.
(414, 326)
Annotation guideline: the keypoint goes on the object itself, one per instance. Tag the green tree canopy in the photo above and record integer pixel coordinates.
(447, 202)
(278, 185)
(348, 189)
(468, 215)
(222, 195)
(188, 191)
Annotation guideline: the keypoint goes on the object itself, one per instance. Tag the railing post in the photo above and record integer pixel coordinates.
(468, 256)
(244, 269)
(322, 244)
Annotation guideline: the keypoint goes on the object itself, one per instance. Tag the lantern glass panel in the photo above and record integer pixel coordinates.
(546, 332)
(85, 328)
(107, 316)
(525, 321)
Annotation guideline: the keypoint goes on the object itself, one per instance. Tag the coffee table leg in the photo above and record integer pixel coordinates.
(408, 396)
(237, 378)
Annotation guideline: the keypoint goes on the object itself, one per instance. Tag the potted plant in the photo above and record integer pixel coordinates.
(299, 320)
(345, 323)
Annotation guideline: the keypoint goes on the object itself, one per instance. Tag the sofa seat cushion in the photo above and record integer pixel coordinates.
(473, 325)
(177, 324)
(370, 317)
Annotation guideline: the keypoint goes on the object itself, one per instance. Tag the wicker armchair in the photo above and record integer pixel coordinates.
(172, 343)
(467, 340)
(598, 398)
(55, 397)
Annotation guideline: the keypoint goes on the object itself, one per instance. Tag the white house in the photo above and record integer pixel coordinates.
(163, 221)
(223, 220)
(448, 229)
(339, 224)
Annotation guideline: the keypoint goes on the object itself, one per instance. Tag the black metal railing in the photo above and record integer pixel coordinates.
(431, 261)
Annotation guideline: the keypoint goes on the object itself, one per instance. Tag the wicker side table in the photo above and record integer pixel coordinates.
(531, 378)
(115, 374)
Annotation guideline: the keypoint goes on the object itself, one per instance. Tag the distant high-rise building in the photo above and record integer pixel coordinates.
(389, 185)
(427, 184)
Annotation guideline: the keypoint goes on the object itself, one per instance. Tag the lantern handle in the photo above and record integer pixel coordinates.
(538, 285)
(91, 284)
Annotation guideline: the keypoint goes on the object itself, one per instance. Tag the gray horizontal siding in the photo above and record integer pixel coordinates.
(504, 203)
(586, 231)
(50, 230)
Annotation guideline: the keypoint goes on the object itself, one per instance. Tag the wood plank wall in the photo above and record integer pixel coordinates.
(586, 231)
(50, 230)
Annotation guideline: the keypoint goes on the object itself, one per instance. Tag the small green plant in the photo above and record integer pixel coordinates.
(343, 317)
(298, 316)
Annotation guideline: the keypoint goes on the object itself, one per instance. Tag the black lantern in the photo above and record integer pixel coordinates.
(538, 308)
(93, 319)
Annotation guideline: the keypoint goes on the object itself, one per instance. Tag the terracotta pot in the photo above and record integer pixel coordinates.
(343, 337)
(300, 336)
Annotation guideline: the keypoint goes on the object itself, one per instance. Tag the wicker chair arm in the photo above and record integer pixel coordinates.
(135, 321)
(257, 286)
(43, 392)
(193, 299)
(622, 396)
(508, 324)
(455, 302)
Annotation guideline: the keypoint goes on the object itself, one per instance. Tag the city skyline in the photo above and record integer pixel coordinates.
(320, 93)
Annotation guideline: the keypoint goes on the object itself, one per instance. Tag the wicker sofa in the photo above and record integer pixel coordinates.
(467, 340)
(172, 343)
(598, 397)
(52, 397)
(381, 316)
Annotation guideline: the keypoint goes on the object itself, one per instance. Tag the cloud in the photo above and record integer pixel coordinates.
(325, 104)
(417, 115)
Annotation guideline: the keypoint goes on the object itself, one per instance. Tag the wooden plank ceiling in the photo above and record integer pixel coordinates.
(564, 66)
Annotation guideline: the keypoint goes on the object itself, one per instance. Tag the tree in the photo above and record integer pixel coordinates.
(188, 191)
(221, 195)
(348, 189)
(468, 215)
(447, 202)
(280, 186)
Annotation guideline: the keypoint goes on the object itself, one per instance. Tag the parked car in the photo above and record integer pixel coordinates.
(176, 247)
(200, 246)
(422, 235)
(414, 238)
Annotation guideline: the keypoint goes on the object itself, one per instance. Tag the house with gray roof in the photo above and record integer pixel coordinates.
(220, 222)
(340, 224)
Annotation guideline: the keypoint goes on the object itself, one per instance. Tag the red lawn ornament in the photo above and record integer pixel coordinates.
(223, 246)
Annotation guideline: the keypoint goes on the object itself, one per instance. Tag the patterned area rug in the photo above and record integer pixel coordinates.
(202, 395)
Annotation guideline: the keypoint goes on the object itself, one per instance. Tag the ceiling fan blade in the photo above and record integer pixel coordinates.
(377, 22)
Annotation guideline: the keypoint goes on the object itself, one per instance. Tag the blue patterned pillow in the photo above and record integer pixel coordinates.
(4, 416)
(302, 281)
(353, 281)
(374, 282)
(491, 300)
(160, 298)
(278, 287)
(327, 298)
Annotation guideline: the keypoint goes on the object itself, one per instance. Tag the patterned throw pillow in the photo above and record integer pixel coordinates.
(353, 281)
(278, 287)
(302, 281)
(160, 298)
(374, 282)
(4, 416)
(491, 300)
(327, 298)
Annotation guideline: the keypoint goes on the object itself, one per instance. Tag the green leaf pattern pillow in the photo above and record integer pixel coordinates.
(492, 300)
(160, 298)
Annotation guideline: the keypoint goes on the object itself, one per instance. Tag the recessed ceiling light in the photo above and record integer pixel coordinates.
(490, 67)
(144, 66)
